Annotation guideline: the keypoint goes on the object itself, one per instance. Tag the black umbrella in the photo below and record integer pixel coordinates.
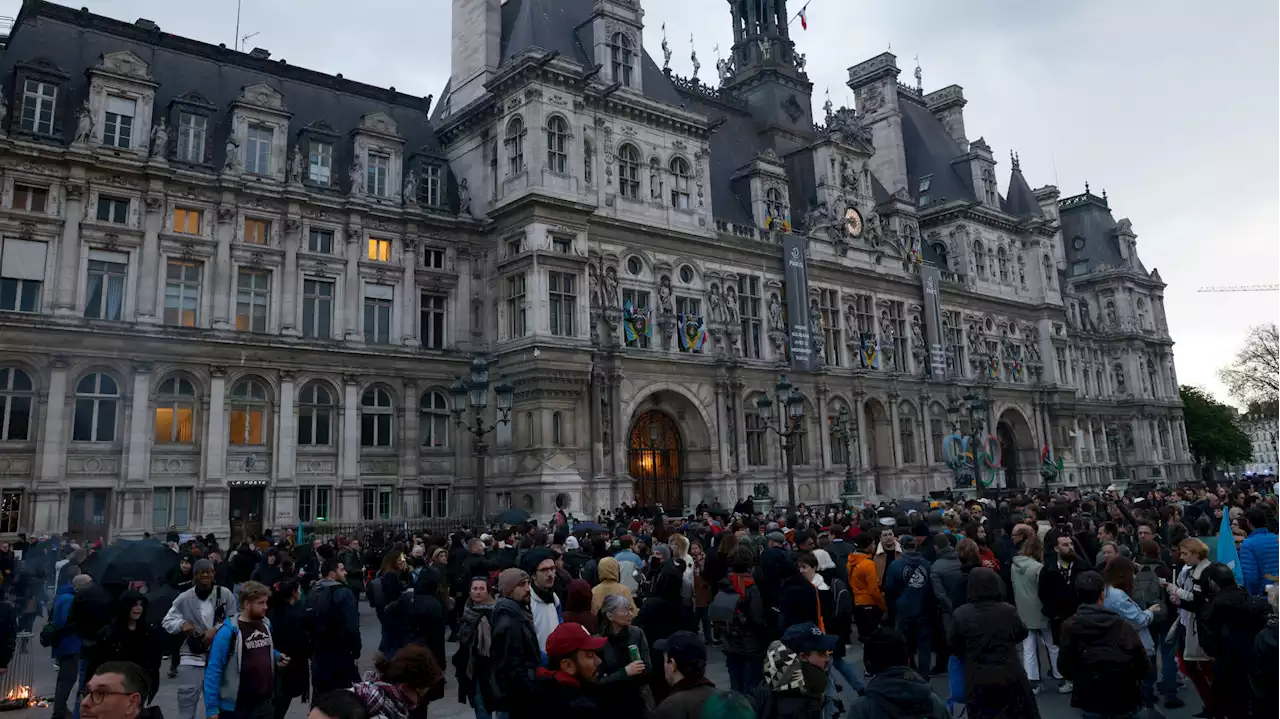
(514, 515)
(588, 527)
(140, 560)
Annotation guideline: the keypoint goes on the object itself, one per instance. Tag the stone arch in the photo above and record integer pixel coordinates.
(198, 381)
(878, 424)
(630, 409)
(36, 372)
(269, 382)
(1018, 450)
(694, 458)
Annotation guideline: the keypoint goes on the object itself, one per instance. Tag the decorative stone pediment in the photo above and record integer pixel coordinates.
(262, 95)
(43, 66)
(195, 99)
(126, 64)
(379, 123)
(320, 127)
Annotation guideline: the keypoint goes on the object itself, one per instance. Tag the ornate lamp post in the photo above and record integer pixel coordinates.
(790, 426)
(965, 452)
(474, 391)
(845, 429)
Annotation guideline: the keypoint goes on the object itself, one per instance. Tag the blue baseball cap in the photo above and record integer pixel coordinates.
(807, 637)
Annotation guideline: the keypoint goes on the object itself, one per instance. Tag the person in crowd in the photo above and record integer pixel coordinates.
(1102, 653)
(132, 638)
(868, 600)
(888, 549)
(950, 579)
(978, 533)
(703, 588)
(896, 691)
(1027, 566)
(795, 675)
(1259, 552)
(836, 602)
(987, 636)
(1231, 624)
(685, 670)
(180, 579)
(1191, 595)
(352, 559)
(662, 614)
(334, 626)
(798, 600)
(269, 572)
(401, 685)
(1108, 534)
(117, 690)
(65, 649)
(609, 572)
(910, 593)
(473, 660)
(1266, 665)
(288, 632)
(1057, 582)
(90, 618)
(195, 615)
(625, 662)
(577, 604)
(338, 704)
(419, 616)
(383, 590)
(544, 604)
(566, 686)
(1151, 575)
(1119, 575)
(240, 677)
(738, 611)
(243, 561)
(515, 650)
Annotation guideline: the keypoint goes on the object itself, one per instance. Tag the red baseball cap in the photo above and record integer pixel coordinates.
(571, 637)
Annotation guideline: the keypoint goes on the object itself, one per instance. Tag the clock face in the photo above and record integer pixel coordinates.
(853, 222)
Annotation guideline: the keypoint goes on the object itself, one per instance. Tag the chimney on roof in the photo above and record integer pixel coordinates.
(477, 32)
(260, 53)
(146, 24)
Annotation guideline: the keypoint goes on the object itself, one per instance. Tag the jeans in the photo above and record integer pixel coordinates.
(704, 620)
(190, 687)
(68, 675)
(1031, 653)
(1168, 651)
(745, 672)
(955, 682)
(477, 702)
(867, 618)
(842, 667)
(916, 630)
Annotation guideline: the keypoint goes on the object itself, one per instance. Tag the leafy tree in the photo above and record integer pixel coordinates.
(1254, 376)
(1215, 438)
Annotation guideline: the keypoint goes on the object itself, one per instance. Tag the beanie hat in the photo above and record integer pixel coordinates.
(201, 565)
(509, 579)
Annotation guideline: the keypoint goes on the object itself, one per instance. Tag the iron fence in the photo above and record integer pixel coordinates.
(368, 529)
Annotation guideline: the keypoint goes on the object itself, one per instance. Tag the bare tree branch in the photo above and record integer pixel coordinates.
(1254, 376)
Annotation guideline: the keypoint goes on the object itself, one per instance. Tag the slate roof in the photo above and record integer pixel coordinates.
(1021, 201)
(75, 40)
(929, 151)
(1088, 218)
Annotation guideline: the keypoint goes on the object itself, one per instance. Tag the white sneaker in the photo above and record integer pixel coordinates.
(1037, 688)
(1065, 687)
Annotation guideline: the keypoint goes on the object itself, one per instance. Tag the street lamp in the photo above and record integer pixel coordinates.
(845, 428)
(474, 391)
(790, 426)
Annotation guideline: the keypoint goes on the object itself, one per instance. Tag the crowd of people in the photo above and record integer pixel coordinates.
(1114, 600)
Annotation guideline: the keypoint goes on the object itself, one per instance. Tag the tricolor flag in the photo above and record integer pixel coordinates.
(804, 21)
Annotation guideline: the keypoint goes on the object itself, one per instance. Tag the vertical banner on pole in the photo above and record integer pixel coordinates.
(930, 280)
(795, 275)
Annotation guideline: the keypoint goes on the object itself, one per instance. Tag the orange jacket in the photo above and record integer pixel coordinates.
(864, 582)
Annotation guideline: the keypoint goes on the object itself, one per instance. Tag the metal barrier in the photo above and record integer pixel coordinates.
(16, 690)
(368, 530)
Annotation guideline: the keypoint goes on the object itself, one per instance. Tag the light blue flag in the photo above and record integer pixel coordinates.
(1227, 548)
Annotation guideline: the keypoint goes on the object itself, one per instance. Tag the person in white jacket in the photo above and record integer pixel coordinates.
(543, 602)
(1025, 576)
(195, 615)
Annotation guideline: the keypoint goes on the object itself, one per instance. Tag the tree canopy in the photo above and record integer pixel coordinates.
(1215, 438)
(1254, 375)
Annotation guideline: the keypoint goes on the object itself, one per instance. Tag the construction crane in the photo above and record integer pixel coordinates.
(1241, 288)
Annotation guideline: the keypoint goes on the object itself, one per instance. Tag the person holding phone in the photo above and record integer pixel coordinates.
(195, 615)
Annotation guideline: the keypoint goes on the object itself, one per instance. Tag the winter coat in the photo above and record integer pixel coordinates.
(865, 582)
(623, 696)
(1194, 595)
(987, 636)
(1231, 626)
(797, 603)
(68, 641)
(751, 637)
(608, 570)
(950, 583)
(664, 613)
(1264, 669)
(341, 637)
(560, 695)
(474, 658)
(686, 699)
(1258, 559)
(1026, 592)
(1102, 654)
(1058, 589)
(885, 557)
(516, 658)
(142, 645)
(899, 693)
(291, 640)
(577, 605)
(792, 688)
(907, 585)
(222, 674)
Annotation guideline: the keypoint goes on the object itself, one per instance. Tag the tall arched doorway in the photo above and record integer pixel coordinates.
(879, 441)
(1008, 455)
(655, 460)
(1018, 451)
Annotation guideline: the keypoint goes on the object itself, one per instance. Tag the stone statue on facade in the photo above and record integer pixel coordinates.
(919, 351)
(295, 165)
(665, 304)
(356, 174)
(409, 192)
(848, 175)
(872, 230)
(800, 61)
(850, 325)
(464, 197)
(817, 338)
(609, 287)
(4, 110)
(775, 313)
(160, 138)
(84, 124)
(731, 305)
(766, 50)
(666, 49)
(232, 151)
(724, 68)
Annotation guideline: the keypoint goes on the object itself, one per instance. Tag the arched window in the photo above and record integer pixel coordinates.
(839, 450)
(1153, 378)
(1141, 306)
(1117, 375)
(528, 429)
(175, 411)
(679, 183)
(16, 394)
(375, 418)
(1048, 271)
(433, 420)
(557, 429)
(557, 144)
(249, 413)
(940, 250)
(980, 259)
(623, 58)
(315, 415)
(907, 433)
(97, 399)
(1002, 258)
(515, 147)
(629, 172)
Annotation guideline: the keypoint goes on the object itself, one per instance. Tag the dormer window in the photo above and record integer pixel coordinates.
(117, 122)
(38, 99)
(432, 185)
(622, 55)
(922, 190)
(320, 162)
(376, 174)
(257, 156)
(774, 207)
(192, 131)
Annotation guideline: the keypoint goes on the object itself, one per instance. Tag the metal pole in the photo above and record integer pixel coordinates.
(790, 446)
(480, 447)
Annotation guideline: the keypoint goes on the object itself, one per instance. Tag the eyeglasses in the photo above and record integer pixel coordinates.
(97, 696)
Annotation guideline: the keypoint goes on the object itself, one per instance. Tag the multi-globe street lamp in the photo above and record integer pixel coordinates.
(474, 391)
(790, 426)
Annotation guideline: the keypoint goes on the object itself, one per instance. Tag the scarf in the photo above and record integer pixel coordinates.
(548, 596)
(740, 583)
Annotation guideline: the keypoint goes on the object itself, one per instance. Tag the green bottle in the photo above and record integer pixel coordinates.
(634, 651)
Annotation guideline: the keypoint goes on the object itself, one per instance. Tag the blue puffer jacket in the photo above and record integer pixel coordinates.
(1258, 559)
(70, 642)
(908, 585)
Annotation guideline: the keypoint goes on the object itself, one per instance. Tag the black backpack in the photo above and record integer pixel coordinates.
(315, 614)
(1146, 586)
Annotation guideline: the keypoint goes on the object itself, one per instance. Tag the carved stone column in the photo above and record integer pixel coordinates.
(349, 445)
(223, 273)
(595, 413)
(289, 286)
(215, 439)
(66, 282)
(53, 437)
(722, 423)
(736, 386)
(410, 439)
(822, 392)
(409, 296)
(893, 430)
(351, 299)
(152, 223)
(926, 436)
(139, 449)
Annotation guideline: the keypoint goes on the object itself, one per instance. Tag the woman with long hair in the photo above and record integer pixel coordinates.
(286, 614)
(1118, 575)
(1025, 574)
(400, 686)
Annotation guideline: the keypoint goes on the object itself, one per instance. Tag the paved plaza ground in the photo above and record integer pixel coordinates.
(1052, 705)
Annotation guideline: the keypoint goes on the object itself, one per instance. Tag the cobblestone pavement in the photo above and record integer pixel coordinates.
(1052, 705)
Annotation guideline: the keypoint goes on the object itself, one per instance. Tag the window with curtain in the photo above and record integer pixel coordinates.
(104, 288)
(16, 395)
(557, 144)
(97, 402)
(315, 415)
(433, 421)
(515, 147)
(375, 418)
(248, 413)
(679, 183)
(175, 411)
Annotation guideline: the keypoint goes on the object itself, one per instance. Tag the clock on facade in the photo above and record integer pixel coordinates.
(853, 222)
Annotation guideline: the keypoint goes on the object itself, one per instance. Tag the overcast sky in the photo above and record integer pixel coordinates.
(1169, 105)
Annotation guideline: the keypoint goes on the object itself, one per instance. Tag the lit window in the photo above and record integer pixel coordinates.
(377, 173)
(186, 221)
(379, 250)
(248, 413)
(117, 121)
(256, 231)
(37, 107)
(257, 156)
(192, 131)
(175, 411)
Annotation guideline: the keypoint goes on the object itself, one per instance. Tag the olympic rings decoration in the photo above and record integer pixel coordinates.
(959, 455)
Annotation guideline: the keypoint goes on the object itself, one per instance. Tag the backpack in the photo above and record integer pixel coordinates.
(843, 600)
(1146, 586)
(50, 634)
(726, 609)
(377, 594)
(315, 614)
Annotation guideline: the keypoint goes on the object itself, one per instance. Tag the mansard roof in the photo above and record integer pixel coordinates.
(1087, 221)
(930, 150)
(1021, 201)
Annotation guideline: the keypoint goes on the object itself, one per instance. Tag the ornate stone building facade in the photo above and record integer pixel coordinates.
(234, 293)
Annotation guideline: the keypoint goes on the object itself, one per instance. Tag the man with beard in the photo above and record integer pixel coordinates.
(564, 685)
(240, 677)
(1057, 585)
(544, 605)
(195, 615)
(516, 651)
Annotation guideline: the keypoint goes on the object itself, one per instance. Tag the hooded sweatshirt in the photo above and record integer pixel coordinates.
(577, 605)
(609, 573)
(899, 692)
(1103, 655)
(863, 581)
(1026, 592)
